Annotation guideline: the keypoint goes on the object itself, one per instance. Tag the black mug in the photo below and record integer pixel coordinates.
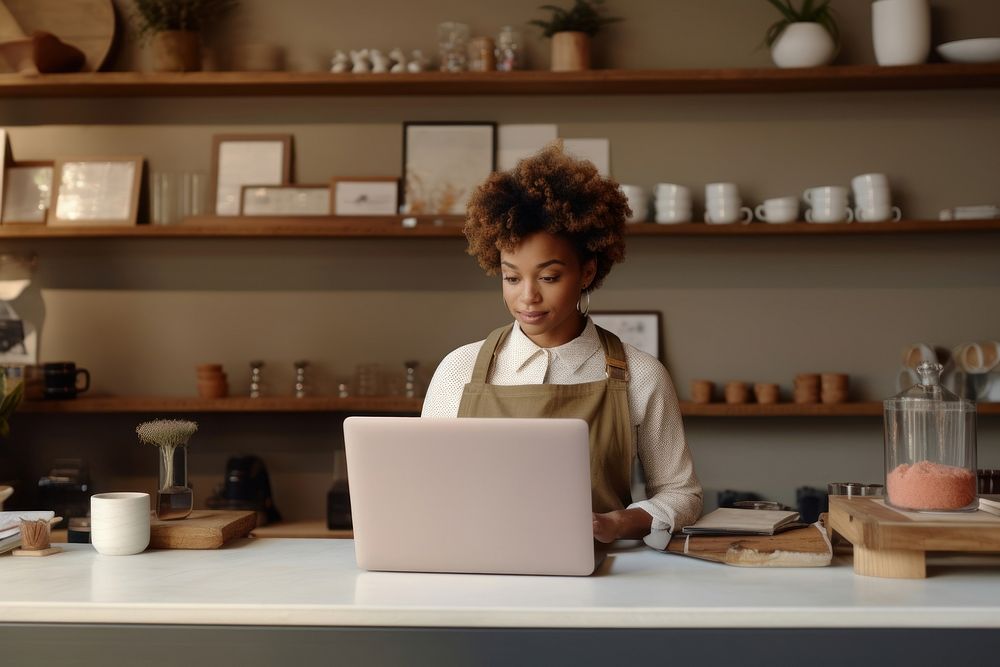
(61, 379)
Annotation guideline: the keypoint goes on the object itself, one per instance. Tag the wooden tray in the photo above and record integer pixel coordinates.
(799, 547)
(202, 529)
(891, 543)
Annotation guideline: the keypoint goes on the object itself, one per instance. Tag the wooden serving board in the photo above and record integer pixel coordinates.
(89, 25)
(892, 543)
(202, 529)
(799, 547)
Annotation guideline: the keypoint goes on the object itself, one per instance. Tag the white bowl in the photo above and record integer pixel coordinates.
(980, 50)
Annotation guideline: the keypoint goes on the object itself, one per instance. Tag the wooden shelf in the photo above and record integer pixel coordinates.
(592, 82)
(112, 404)
(302, 529)
(411, 406)
(206, 227)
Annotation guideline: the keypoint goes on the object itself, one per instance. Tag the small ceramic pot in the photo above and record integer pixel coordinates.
(803, 45)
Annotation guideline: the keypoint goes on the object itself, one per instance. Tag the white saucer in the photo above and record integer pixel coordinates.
(979, 50)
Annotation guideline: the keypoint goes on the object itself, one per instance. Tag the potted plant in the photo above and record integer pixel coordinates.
(803, 37)
(571, 31)
(175, 26)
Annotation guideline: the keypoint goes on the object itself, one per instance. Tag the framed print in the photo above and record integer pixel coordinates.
(285, 200)
(27, 195)
(443, 163)
(640, 329)
(365, 196)
(247, 159)
(96, 191)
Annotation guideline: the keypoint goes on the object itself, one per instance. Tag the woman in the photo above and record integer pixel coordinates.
(552, 227)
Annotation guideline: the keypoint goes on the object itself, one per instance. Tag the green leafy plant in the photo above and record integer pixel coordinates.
(584, 16)
(152, 16)
(8, 403)
(810, 11)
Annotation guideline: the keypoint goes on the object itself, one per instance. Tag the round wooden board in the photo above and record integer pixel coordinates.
(89, 25)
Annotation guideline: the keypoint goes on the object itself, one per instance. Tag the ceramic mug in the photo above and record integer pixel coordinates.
(673, 215)
(119, 523)
(636, 198)
(728, 213)
(901, 31)
(778, 210)
(829, 214)
(877, 213)
(833, 194)
(721, 190)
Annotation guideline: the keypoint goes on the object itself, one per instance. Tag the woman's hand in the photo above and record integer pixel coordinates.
(630, 524)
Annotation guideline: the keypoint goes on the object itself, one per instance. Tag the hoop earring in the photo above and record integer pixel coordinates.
(583, 311)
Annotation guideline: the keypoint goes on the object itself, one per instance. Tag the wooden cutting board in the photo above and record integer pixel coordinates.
(799, 547)
(89, 25)
(202, 529)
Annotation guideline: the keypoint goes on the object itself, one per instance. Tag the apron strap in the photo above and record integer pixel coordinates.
(614, 355)
(487, 353)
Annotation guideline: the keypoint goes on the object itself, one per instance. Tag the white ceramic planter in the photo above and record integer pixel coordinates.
(803, 45)
(901, 31)
(119, 523)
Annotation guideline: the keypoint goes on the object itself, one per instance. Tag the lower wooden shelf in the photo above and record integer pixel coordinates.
(401, 405)
(302, 529)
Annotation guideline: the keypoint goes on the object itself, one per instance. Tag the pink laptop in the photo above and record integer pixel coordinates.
(497, 496)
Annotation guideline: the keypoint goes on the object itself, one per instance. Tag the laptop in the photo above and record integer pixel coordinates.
(472, 495)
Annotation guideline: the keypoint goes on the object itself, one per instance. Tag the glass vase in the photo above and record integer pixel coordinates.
(174, 499)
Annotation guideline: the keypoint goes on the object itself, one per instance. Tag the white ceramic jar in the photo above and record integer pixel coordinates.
(804, 44)
(901, 31)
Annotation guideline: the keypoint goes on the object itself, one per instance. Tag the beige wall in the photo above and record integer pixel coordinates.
(140, 314)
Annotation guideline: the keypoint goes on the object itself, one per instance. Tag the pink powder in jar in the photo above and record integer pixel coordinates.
(930, 486)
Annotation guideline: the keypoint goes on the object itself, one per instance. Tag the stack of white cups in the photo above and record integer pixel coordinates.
(724, 206)
(637, 201)
(827, 203)
(872, 199)
(673, 203)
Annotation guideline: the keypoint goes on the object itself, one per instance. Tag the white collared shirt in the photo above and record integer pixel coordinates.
(672, 491)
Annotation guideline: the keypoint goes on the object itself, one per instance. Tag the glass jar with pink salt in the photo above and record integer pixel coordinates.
(930, 447)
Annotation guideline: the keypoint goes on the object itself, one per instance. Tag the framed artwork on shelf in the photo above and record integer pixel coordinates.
(27, 195)
(376, 195)
(93, 191)
(285, 200)
(443, 163)
(640, 329)
(247, 159)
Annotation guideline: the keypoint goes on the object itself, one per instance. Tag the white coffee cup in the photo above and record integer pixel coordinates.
(727, 214)
(119, 523)
(778, 210)
(670, 215)
(870, 182)
(832, 194)
(672, 192)
(829, 214)
(721, 190)
(637, 201)
(901, 31)
(877, 213)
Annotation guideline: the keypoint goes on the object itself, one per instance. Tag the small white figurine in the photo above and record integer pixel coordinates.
(339, 62)
(398, 61)
(418, 62)
(380, 63)
(361, 65)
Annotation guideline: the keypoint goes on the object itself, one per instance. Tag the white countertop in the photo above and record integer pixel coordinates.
(302, 582)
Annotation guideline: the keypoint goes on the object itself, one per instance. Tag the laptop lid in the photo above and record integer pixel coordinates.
(484, 495)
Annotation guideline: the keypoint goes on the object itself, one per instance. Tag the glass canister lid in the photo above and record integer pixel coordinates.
(928, 392)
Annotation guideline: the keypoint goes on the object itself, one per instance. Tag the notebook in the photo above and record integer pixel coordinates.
(730, 521)
(473, 495)
(990, 502)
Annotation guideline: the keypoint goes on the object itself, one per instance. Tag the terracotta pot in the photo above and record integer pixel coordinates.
(570, 51)
(176, 51)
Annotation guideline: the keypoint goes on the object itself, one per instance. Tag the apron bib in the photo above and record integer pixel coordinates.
(602, 404)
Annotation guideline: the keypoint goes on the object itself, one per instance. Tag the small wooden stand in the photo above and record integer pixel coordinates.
(36, 552)
(889, 543)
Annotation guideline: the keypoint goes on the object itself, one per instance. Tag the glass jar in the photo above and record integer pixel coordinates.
(453, 41)
(508, 50)
(930, 447)
(174, 499)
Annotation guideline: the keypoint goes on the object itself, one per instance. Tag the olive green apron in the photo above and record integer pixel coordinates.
(602, 404)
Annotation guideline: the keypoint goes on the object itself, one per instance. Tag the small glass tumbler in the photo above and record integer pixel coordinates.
(508, 50)
(174, 499)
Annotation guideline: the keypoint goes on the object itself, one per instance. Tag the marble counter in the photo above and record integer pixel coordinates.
(306, 582)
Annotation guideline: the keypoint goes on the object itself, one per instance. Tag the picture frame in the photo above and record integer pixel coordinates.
(639, 328)
(443, 163)
(285, 200)
(360, 196)
(247, 159)
(96, 190)
(27, 192)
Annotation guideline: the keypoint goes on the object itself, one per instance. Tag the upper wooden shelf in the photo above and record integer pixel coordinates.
(401, 405)
(451, 227)
(592, 82)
